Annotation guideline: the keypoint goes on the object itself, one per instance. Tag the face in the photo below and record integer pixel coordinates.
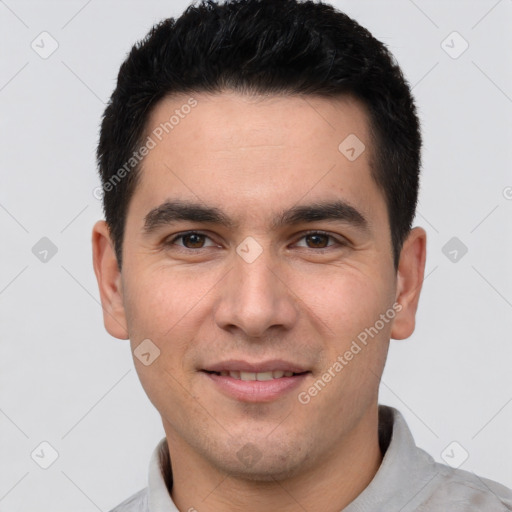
(255, 246)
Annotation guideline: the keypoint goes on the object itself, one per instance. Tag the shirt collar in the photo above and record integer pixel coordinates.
(159, 499)
(405, 470)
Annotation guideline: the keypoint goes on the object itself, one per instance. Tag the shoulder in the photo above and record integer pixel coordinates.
(413, 480)
(136, 503)
(464, 491)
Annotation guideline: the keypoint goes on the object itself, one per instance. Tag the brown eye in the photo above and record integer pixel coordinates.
(318, 240)
(191, 240)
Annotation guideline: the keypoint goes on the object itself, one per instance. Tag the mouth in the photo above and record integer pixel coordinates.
(261, 382)
(253, 376)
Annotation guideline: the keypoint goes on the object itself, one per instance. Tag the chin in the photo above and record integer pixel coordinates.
(265, 472)
(268, 465)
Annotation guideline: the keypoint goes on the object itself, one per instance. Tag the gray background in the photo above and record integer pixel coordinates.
(64, 380)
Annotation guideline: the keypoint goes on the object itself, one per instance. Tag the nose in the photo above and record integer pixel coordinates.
(256, 296)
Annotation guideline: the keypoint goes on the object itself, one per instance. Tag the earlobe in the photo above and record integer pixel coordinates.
(411, 269)
(109, 281)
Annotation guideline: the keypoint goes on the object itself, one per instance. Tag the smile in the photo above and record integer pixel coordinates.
(255, 387)
(251, 376)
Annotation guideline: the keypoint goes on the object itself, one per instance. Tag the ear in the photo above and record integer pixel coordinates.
(108, 276)
(410, 275)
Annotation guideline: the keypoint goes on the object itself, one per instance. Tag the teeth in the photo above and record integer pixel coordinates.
(264, 376)
(251, 376)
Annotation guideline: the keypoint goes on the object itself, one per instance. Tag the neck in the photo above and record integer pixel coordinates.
(331, 484)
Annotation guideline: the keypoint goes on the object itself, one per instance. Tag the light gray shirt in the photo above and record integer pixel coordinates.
(408, 480)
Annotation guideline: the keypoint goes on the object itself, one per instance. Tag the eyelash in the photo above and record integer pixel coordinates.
(339, 243)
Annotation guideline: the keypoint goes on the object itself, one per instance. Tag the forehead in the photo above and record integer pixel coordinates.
(259, 152)
(227, 120)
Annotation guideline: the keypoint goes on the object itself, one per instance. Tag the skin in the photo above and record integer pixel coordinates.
(253, 158)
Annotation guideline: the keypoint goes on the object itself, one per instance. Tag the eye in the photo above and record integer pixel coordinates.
(319, 240)
(196, 240)
(191, 240)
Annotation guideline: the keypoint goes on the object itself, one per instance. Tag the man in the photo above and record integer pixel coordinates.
(260, 163)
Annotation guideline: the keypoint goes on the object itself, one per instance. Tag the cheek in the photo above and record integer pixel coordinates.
(158, 309)
(160, 300)
(347, 302)
(169, 308)
(354, 339)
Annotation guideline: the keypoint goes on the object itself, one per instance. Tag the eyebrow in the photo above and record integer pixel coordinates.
(180, 210)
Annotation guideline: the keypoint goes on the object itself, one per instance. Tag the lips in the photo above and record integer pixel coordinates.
(256, 382)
